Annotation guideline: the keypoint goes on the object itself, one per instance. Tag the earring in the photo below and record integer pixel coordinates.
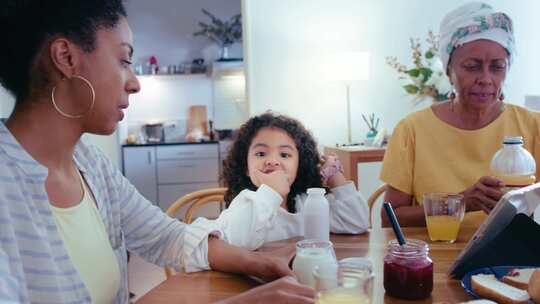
(501, 99)
(75, 115)
(451, 97)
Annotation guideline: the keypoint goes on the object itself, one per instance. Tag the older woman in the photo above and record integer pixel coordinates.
(448, 146)
(67, 215)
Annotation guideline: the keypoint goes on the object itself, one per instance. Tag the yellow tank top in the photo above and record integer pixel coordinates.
(88, 246)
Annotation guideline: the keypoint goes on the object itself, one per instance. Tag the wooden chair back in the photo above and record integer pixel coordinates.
(374, 209)
(197, 199)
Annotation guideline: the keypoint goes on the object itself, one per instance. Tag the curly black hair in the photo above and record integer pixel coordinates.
(26, 26)
(235, 166)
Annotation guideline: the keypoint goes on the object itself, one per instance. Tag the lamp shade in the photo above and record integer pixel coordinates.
(346, 66)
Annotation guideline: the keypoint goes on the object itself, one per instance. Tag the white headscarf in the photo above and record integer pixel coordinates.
(474, 21)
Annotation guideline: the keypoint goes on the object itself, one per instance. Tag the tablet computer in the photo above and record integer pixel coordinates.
(496, 239)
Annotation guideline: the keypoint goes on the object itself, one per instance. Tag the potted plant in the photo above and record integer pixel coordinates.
(223, 33)
(426, 78)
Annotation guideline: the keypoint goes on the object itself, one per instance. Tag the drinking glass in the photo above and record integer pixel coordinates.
(444, 213)
(310, 253)
(349, 281)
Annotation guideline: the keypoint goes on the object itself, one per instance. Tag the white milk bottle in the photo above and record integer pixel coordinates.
(316, 215)
(514, 165)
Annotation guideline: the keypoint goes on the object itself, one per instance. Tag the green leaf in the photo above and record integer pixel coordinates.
(429, 54)
(442, 97)
(413, 72)
(426, 73)
(411, 88)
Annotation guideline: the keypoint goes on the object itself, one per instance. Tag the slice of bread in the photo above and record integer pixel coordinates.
(487, 286)
(519, 277)
(534, 286)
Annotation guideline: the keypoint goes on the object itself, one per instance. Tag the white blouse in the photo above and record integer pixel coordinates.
(255, 217)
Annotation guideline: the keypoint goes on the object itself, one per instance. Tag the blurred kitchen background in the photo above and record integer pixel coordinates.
(195, 93)
(191, 101)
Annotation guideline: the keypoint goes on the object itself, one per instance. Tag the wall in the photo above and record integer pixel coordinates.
(165, 28)
(286, 42)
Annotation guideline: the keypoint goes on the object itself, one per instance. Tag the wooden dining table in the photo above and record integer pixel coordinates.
(210, 286)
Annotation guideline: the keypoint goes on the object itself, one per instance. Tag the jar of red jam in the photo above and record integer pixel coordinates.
(408, 270)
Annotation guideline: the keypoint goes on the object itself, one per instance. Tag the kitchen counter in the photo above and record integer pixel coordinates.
(163, 172)
(172, 143)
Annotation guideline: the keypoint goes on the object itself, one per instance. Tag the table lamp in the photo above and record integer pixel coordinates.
(347, 68)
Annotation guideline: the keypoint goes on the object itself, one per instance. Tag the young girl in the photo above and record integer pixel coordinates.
(268, 171)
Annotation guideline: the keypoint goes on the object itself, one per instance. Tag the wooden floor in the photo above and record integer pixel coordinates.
(143, 276)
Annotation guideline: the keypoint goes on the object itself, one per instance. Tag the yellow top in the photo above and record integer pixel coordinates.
(426, 154)
(88, 246)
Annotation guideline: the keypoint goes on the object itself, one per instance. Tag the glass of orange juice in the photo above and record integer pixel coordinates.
(444, 213)
(350, 281)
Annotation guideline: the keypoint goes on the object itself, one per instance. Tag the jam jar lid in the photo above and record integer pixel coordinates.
(411, 250)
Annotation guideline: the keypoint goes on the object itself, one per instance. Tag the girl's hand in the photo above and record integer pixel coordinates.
(484, 194)
(276, 180)
(332, 171)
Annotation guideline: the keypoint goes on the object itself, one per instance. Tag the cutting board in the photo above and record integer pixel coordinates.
(197, 119)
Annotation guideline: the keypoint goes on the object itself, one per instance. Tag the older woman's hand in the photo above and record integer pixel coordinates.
(484, 194)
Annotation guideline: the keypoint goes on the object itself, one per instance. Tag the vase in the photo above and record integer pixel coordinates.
(224, 52)
(370, 136)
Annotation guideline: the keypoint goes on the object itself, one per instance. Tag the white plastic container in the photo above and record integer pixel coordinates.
(513, 164)
(316, 215)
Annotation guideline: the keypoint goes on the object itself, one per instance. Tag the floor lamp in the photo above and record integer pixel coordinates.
(348, 68)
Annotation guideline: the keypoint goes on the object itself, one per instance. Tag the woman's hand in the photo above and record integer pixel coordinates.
(276, 180)
(284, 290)
(269, 264)
(332, 171)
(274, 264)
(484, 194)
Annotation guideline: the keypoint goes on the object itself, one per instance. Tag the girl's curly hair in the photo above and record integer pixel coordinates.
(235, 166)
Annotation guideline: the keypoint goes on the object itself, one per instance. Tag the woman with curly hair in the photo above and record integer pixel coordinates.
(272, 163)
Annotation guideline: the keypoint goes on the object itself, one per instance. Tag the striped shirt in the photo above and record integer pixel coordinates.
(34, 262)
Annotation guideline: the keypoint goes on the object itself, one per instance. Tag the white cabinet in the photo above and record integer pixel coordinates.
(168, 194)
(140, 170)
(176, 170)
(187, 151)
(187, 170)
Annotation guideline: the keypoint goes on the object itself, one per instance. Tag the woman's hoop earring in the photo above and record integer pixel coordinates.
(501, 97)
(77, 115)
